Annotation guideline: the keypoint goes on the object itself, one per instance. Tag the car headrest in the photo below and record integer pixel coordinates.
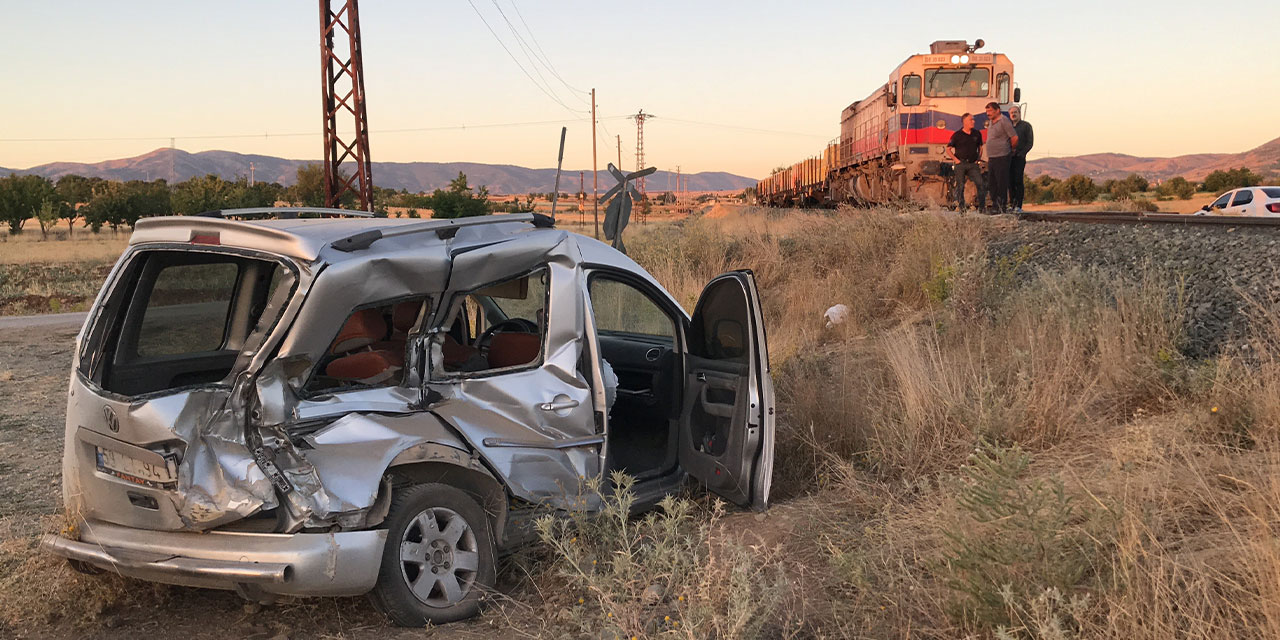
(404, 315)
(513, 349)
(365, 367)
(362, 329)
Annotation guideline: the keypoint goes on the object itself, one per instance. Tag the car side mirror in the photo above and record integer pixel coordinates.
(1017, 94)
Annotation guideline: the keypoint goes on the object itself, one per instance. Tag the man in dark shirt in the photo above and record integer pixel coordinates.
(965, 149)
(1018, 167)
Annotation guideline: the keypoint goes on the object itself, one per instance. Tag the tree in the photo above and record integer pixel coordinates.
(1076, 189)
(308, 189)
(73, 191)
(21, 198)
(1220, 180)
(47, 216)
(1122, 189)
(145, 200)
(458, 201)
(204, 193)
(459, 184)
(1176, 187)
(106, 207)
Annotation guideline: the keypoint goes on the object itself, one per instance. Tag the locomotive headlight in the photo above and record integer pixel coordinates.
(955, 59)
(964, 59)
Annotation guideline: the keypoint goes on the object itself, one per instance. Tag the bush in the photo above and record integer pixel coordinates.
(1220, 180)
(1176, 187)
(1018, 540)
(1076, 189)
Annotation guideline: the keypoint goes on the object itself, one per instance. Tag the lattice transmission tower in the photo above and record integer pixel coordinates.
(343, 90)
(640, 118)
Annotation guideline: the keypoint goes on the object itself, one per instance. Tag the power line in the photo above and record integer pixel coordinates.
(513, 59)
(460, 127)
(545, 58)
(524, 47)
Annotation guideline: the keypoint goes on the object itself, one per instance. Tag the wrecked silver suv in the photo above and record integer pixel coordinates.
(335, 406)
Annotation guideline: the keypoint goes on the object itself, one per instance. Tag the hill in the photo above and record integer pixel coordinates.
(1103, 166)
(176, 165)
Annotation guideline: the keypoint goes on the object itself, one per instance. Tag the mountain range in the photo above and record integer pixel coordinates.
(1104, 166)
(176, 165)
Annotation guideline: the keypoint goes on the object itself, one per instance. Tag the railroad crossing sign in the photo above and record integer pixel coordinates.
(620, 199)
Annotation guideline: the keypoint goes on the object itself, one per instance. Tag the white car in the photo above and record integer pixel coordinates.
(1247, 201)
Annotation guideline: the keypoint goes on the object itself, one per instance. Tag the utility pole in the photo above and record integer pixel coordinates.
(555, 195)
(595, 170)
(640, 118)
(350, 70)
(619, 141)
(677, 183)
(251, 174)
(582, 195)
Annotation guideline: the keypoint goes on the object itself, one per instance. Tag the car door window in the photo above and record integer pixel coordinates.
(370, 348)
(496, 327)
(1243, 197)
(623, 309)
(1221, 203)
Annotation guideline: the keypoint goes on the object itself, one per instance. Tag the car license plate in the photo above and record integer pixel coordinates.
(133, 470)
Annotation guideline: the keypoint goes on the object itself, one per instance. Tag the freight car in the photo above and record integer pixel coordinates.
(892, 143)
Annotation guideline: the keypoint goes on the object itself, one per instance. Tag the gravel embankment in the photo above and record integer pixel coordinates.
(1222, 268)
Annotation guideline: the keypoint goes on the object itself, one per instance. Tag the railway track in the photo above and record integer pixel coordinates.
(1139, 218)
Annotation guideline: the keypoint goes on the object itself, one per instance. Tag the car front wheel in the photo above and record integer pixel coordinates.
(439, 558)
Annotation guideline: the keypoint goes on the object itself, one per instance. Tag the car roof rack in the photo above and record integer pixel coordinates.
(284, 213)
(442, 227)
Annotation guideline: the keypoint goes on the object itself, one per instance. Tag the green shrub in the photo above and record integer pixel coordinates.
(1018, 539)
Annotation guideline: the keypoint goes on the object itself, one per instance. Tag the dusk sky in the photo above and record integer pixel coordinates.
(735, 86)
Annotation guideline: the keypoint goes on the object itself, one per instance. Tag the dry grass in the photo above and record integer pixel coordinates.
(984, 456)
(28, 247)
(1165, 470)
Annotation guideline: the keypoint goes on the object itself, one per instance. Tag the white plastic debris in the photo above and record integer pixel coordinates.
(837, 314)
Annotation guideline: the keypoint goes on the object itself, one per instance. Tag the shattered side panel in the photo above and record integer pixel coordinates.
(350, 456)
(540, 453)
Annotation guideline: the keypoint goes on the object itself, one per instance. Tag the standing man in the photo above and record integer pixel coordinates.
(1017, 169)
(1001, 141)
(965, 149)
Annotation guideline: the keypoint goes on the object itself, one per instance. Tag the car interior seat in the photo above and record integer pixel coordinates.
(512, 349)
(358, 360)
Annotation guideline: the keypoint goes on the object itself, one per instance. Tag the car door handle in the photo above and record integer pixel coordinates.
(558, 405)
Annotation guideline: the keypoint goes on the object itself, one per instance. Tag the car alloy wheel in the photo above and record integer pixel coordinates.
(439, 558)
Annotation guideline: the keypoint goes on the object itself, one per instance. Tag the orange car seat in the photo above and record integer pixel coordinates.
(359, 361)
(513, 349)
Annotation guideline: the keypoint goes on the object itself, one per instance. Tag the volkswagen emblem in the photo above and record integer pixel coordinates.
(113, 423)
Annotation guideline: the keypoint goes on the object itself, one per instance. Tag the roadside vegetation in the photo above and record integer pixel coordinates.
(982, 449)
(973, 453)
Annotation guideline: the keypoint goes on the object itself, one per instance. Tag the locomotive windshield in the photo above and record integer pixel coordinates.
(957, 83)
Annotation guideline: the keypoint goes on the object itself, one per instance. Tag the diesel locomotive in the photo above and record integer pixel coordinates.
(891, 144)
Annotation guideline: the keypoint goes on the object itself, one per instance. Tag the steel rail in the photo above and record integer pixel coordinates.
(1112, 217)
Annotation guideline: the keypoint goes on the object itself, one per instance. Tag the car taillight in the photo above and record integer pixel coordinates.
(205, 238)
(1274, 207)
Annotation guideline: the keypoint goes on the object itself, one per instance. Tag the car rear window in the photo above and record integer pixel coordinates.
(1272, 192)
(187, 309)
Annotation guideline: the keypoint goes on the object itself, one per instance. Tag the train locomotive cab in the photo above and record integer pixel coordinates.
(892, 143)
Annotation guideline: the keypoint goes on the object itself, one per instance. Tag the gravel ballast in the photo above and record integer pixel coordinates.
(1223, 269)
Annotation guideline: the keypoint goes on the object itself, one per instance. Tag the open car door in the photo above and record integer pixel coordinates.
(727, 419)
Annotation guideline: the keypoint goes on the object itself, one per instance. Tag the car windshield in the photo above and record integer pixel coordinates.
(956, 83)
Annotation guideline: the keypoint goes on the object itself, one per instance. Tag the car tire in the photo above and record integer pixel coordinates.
(438, 561)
